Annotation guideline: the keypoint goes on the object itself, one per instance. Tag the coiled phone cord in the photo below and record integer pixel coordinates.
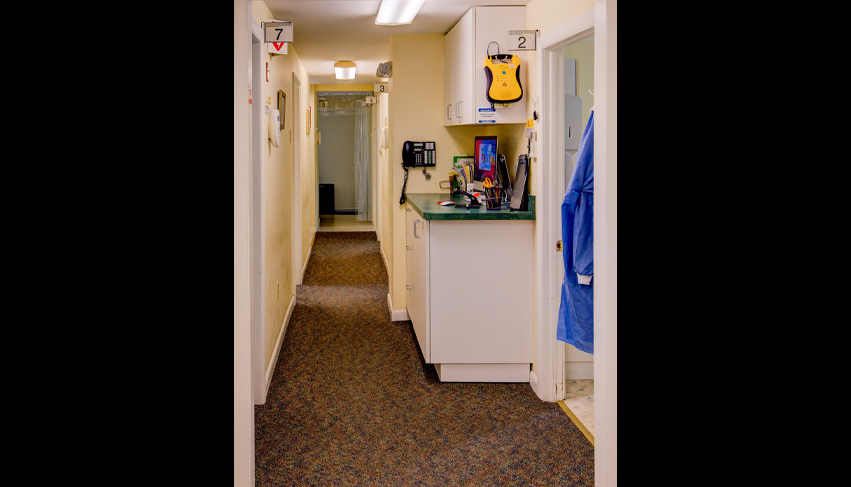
(405, 184)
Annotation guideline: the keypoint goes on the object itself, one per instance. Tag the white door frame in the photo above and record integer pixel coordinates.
(257, 213)
(376, 167)
(550, 351)
(298, 261)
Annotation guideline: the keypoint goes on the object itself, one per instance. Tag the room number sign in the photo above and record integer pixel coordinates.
(521, 40)
(381, 88)
(278, 32)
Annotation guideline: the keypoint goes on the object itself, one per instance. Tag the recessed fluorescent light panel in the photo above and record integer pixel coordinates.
(345, 69)
(398, 12)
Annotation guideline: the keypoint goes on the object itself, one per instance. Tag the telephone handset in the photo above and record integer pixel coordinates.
(416, 154)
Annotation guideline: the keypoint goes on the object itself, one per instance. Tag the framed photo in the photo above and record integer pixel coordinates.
(282, 105)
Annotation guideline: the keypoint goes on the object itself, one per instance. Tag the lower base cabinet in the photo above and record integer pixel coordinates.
(469, 296)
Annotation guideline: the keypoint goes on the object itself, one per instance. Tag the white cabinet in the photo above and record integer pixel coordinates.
(416, 283)
(469, 296)
(465, 51)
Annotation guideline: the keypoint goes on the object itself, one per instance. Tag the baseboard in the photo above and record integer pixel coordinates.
(277, 350)
(384, 258)
(306, 260)
(533, 382)
(396, 315)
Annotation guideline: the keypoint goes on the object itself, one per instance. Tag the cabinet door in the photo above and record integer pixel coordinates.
(486, 319)
(462, 74)
(492, 24)
(416, 281)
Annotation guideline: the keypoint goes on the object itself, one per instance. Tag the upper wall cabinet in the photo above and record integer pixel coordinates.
(466, 82)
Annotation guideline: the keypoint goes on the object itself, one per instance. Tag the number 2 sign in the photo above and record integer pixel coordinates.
(521, 40)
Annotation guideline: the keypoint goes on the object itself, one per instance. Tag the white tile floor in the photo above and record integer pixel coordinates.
(579, 397)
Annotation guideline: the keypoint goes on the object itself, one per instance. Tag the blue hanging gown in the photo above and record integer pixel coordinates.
(576, 311)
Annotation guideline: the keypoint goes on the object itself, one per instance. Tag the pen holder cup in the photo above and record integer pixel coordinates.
(492, 199)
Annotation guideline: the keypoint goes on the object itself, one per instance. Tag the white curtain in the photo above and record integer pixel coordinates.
(363, 152)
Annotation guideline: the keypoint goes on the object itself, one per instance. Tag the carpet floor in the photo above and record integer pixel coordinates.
(352, 402)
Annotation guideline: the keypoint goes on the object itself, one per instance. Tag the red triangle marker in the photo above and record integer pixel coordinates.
(278, 46)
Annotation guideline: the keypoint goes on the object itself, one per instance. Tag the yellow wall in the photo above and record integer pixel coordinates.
(279, 177)
(416, 114)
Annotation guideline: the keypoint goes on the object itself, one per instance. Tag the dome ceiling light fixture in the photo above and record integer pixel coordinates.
(345, 69)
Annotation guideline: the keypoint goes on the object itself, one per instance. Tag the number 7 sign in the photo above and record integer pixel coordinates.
(277, 32)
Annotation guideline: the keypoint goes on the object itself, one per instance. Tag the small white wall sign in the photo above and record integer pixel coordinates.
(381, 88)
(521, 40)
(278, 32)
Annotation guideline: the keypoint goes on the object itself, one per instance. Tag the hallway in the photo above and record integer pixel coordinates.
(343, 223)
(353, 403)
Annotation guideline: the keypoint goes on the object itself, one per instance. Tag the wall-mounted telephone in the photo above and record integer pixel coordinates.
(416, 154)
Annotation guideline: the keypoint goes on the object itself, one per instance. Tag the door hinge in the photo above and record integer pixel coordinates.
(558, 246)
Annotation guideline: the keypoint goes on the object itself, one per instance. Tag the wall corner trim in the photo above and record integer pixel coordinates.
(306, 261)
(274, 362)
(396, 315)
(533, 382)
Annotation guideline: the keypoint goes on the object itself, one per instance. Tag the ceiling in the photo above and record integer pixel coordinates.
(327, 31)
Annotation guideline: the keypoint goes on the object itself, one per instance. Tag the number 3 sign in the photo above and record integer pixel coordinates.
(380, 88)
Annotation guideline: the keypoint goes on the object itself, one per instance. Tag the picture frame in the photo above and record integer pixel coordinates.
(486, 155)
(282, 107)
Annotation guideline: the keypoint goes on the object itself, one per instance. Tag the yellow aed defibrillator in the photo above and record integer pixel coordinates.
(503, 73)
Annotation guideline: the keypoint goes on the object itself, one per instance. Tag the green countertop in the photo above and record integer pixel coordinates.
(426, 205)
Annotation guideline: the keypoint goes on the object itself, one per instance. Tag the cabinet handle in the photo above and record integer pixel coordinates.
(449, 112)
(408, 287)
(407, 247)
(456, 110)
(415, 229)
(461, 109)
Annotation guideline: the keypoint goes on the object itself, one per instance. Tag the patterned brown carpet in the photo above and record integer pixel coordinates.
(353, 403)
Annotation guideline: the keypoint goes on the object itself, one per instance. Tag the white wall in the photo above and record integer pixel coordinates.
(243, 401)
(606, 243)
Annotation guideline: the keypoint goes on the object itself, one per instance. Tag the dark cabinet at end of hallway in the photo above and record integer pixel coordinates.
(326, 199)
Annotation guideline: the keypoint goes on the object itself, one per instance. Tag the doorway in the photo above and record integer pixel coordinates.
(345, 122)
(578, 103)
